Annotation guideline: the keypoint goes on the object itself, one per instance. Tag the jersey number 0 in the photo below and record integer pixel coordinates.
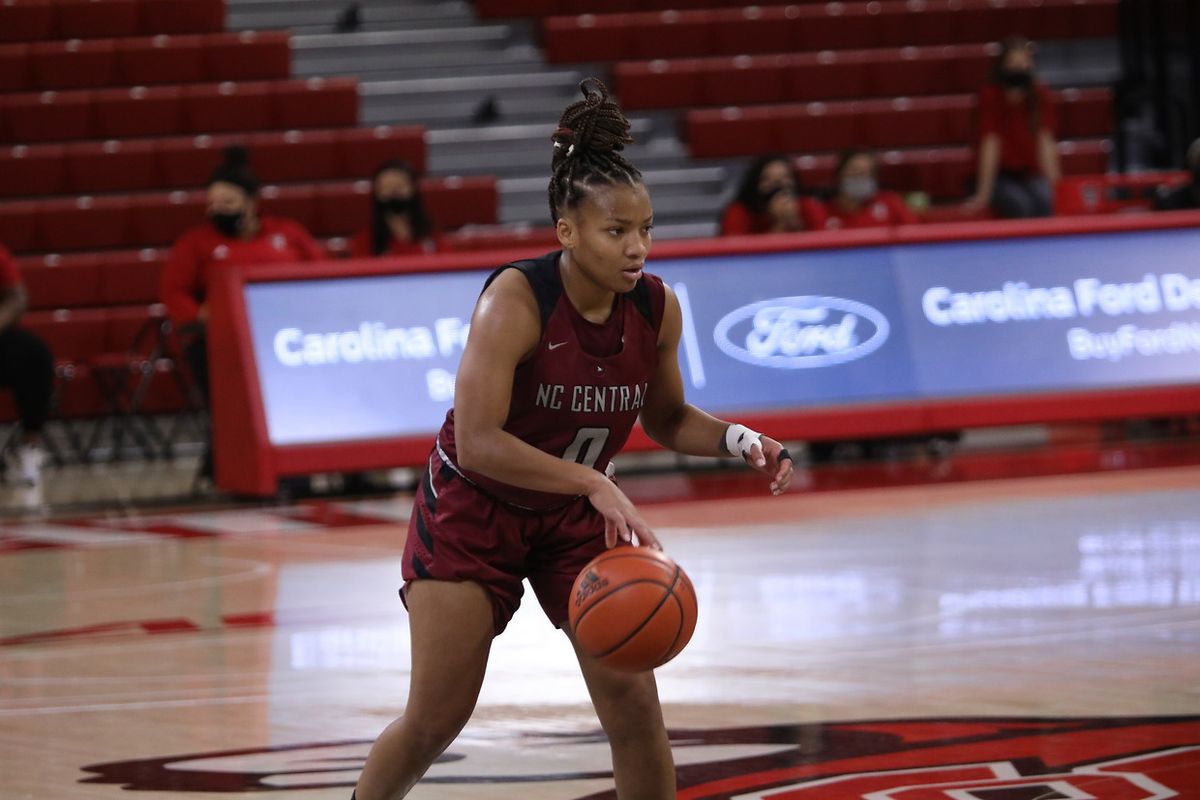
(587, 447)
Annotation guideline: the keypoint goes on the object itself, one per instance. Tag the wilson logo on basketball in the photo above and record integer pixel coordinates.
(801, 332)
(592, 583)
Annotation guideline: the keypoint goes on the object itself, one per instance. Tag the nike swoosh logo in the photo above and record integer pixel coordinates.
(554, 345)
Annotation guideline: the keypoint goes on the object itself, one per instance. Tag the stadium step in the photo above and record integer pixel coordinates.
(321, 16)
(526, 97)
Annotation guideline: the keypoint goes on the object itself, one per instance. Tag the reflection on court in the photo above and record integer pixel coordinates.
(1044, 630)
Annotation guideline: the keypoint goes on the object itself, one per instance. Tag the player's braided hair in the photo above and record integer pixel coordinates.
(587, 144)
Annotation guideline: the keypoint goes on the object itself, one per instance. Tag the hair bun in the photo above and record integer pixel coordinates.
(235, 168)
(237, 156)
(594, 124)
(587, 142)
(594, 91)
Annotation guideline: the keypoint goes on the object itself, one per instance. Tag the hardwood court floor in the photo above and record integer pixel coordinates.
(1022, 639)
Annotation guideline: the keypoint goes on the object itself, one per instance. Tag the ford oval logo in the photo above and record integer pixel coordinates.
(801, 332)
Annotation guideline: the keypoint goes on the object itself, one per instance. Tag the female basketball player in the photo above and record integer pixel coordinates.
(565, 353)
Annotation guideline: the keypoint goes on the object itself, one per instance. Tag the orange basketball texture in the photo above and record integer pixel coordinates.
(632, 608)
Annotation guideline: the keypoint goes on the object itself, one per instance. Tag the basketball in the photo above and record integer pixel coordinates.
(632, 608)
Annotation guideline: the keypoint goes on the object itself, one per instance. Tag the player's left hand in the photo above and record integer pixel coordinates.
(772, 459)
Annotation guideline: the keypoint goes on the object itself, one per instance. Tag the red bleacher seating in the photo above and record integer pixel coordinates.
(17, 224)
(26, 21)
(40, 20)
(298, 203)
(182, 16)
(138, 61)
(111, 166)
(163, 59)
(90, 279)
(15, 67)
(157, 219)
(91, 19)
(800, 77)
(315, 103)
(220, 107)
(83, 223)
(361, 150)
(342, 209)
(36, 170)
(454, 202)
(73, 64)
(245, 56)
(72, 334)
(296, 156)
(945, 173)
(122, 221)
(62, 281)
(130, 276)
(45, 116)
(165, 110)
(812, 27)
(492, 9)
(186, 162)
(140, 111)
(902, 122)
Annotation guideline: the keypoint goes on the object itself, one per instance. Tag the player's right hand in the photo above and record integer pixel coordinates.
(622, 522)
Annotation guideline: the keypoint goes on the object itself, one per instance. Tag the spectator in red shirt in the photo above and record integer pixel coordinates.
(234, 234)
(399, 224)
(857, 201)
(27, 368)
(768, 201)
(1018, 155)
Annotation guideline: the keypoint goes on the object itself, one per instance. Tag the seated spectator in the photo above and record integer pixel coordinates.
(399, 225)
(857, 201)
(768, 201)
(27, 368)
(1188, 196)
(1018, 155)
(234, 234)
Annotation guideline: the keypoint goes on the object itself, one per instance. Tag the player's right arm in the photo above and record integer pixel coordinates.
(505, 330)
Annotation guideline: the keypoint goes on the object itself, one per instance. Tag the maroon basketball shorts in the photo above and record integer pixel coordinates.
(458, 533)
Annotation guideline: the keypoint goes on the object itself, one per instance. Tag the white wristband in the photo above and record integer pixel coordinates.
(739, 439)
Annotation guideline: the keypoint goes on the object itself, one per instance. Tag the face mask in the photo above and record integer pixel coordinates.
(396, 205)
(1016, 78)
(859, 189)
(765, 197)
(227, 224)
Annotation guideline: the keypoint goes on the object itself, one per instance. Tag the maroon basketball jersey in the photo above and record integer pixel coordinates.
(579, 394)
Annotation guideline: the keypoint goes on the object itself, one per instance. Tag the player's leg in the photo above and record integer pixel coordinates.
(629, 711)
(626, 703)
(462, 566)
(451, 627)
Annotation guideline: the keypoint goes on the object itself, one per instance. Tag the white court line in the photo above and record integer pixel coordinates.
(72, 535)
(254, 569)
